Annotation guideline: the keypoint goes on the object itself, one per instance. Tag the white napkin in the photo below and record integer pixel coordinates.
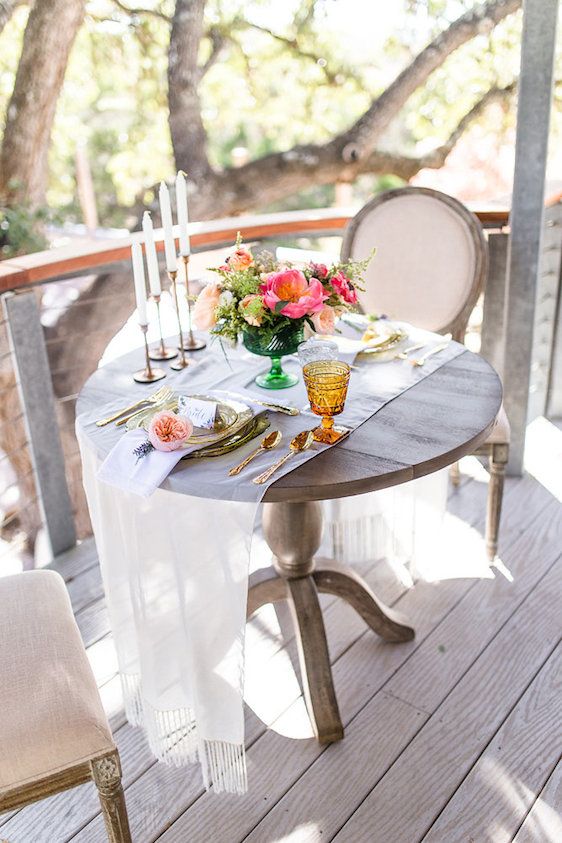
(122, 469)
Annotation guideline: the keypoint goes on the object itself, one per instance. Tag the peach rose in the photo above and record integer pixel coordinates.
(168, 431)
(251, 308)
(205, 306)
(301, 297)
(241, 259)
(325, 321)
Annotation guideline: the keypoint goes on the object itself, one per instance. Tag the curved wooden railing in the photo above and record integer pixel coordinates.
(76, 257)
(53, 264)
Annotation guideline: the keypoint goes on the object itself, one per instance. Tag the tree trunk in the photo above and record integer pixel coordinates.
(49, 35)
(189, 138)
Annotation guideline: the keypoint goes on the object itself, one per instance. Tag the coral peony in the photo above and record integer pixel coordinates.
(205, 306)
(302, 297)
(168, 431)
(324, 322)
(343, 286)
(251, 308)
(241, 259)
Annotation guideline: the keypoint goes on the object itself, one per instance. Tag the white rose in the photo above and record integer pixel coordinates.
(226, 298)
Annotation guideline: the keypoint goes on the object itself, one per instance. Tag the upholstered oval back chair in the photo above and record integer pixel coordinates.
(430, 268)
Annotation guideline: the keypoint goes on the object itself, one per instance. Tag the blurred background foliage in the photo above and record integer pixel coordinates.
(291, 72)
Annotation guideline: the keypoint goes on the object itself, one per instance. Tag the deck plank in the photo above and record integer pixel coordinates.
(500, 789)
(544, 820)
(402, 707)
(439, 758)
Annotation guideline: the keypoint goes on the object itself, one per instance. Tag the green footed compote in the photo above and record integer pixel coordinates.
(285, 341)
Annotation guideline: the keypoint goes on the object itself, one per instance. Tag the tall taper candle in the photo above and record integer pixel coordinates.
(181, 205)
(140, 284)
(167, 225)
(151, 257)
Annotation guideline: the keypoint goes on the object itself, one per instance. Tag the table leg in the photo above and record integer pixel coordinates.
(293, 532)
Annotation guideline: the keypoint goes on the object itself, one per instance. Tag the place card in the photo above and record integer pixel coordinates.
(201, 413)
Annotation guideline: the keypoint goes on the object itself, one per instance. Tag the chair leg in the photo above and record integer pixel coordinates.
(499, 455)
(455, 474)
(106, 773)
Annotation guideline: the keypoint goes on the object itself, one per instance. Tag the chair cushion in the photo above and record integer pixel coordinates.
(501, 431)
(51, 713)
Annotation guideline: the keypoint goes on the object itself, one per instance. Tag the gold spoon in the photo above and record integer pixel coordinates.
(300, 443)
(267, 443)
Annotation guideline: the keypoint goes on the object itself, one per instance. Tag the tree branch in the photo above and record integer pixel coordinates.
(141, 11)
(359, 139)
(218, 42)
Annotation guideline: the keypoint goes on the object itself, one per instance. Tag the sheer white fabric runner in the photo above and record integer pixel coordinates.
(175, 566)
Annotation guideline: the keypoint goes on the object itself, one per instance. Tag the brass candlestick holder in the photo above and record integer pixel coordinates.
(161, 352)
(183, 362)
(148, 374)
(192, 343)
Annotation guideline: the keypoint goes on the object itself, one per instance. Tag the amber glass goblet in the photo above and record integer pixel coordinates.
(326, 384)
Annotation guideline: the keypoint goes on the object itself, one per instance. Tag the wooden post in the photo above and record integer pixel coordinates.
(494, 301)
(526, 220)
(38, 402)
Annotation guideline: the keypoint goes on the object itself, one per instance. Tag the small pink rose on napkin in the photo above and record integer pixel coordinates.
(168, 431)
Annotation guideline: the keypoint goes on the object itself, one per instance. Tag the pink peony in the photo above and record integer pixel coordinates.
(303, 297)
(319, 270)
(343, 286)
(205, 306)
(241, 259)
(251, 307)
(168, 431)
(324, 322)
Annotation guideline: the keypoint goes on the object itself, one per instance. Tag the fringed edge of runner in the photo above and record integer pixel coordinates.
(173, 739)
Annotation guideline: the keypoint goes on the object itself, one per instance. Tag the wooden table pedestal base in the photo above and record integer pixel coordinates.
(293, 532)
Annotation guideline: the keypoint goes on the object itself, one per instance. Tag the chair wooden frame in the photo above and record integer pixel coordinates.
(104, 771)
(497, 453)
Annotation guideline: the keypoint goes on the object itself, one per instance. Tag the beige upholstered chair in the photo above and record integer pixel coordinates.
(53, 731)
(429, 270)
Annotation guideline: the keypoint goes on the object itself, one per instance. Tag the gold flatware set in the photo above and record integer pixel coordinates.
(301, 442)
(157, 397)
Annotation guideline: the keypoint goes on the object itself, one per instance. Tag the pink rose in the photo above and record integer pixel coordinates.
(251, 307)
(319, 270)
(343, 286)
(303, 297)
(168, 431)
(206, 305)
(241, 259)
(324, 322)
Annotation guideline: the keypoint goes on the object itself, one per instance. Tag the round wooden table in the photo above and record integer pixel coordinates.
(435, 422)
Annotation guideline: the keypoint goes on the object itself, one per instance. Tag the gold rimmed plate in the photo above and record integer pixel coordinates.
(230, 418)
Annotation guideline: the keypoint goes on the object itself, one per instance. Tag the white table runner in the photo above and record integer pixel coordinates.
(175, 566)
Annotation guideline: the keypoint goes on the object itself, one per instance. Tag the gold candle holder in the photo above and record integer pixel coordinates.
(183, 362)
(192, 343)
(148, 374)
(161, 352)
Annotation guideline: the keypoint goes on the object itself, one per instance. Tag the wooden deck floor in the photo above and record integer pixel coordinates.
(455, 736)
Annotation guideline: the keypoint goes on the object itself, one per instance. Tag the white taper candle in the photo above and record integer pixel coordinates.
(140, 284)
(167, 225)
(183, 216)
(151, 256)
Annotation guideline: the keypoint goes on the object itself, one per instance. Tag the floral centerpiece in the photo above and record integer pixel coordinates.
(269, 303)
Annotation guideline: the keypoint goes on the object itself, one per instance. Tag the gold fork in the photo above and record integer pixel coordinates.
(157, 396)
(421, 360)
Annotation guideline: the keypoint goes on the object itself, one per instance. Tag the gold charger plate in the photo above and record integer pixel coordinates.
(397, 336)
(231, 417)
